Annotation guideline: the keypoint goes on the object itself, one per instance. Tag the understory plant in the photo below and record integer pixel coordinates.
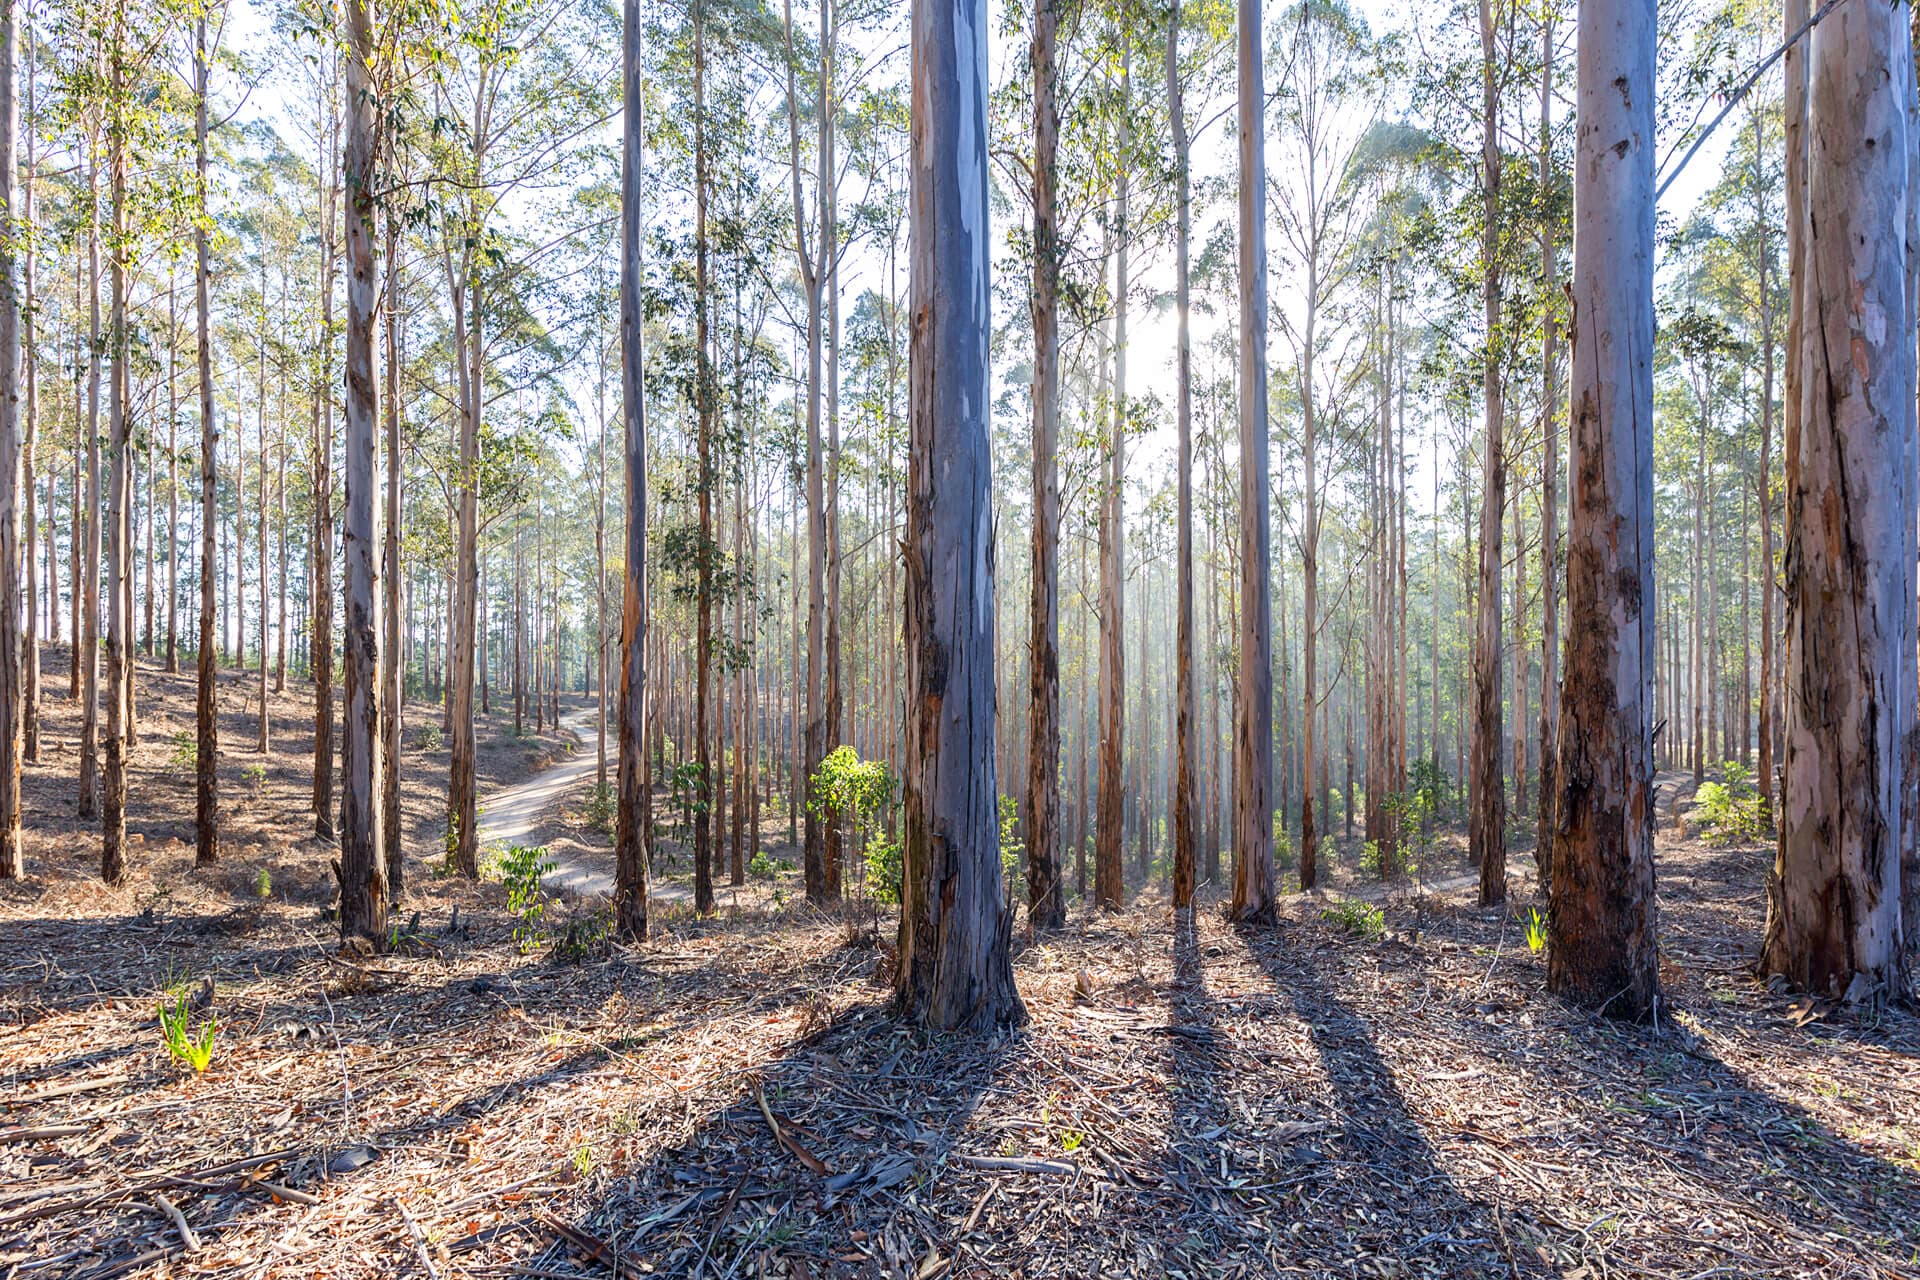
(186, 1043)
(522, 870)
(1729, 812)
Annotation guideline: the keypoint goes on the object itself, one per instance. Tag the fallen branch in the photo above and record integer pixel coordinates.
(189, 1240)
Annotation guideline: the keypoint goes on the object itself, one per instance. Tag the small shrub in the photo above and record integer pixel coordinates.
(186, 750)
(602, 807)
(1011, 848)
(1370, 857)
(428, 738)
(1729, 812)
(763, 867)
(582, 937)
(883, 868)
(255, 776)
(184, 1043)
(263, 883)
(1361, 919)
(521, 870)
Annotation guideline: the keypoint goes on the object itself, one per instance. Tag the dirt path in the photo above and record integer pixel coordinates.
(511, 813)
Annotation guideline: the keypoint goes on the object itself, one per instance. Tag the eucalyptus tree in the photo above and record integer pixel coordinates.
(206, 707)
(1329, 97)
(633, 821)
(1046, 904)
(1254, 890)
(362, 866)
(12, 865)
(1603, 923)
(954, 968)
(1834, 899)
(1486, 782)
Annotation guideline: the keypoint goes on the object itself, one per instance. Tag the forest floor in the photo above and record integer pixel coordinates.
(731, 1100)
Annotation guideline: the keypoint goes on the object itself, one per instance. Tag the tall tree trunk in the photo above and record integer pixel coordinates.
(263, 728)
(323, 812)
(87, 634)
(1311, 765)
(1487, 799)
(207, 725)
(1183, 745)
(1603, 925)
(954, 968)
(1833, 902)
(392, 671)
(1253, 883)
(812, 264)
(703, 817)
(1549, 476)
(12, 864)
(633, 816)
(361, 869)
(1109, 889)
(113, 807)
(1046, 905)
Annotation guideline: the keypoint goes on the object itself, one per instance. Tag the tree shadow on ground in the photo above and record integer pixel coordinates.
(826, 1157)
(1370, 1189)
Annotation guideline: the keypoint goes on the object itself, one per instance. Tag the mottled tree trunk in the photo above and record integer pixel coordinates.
(954, 969)
(1253, 880)
(361, 869)
(633, 815)
(1833, 902)
(1602, 926)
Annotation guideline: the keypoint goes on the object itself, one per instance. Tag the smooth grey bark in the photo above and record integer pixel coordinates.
(954, 968)
(1603, 923)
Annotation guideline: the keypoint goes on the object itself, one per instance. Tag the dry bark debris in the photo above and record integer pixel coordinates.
(733, 1100)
